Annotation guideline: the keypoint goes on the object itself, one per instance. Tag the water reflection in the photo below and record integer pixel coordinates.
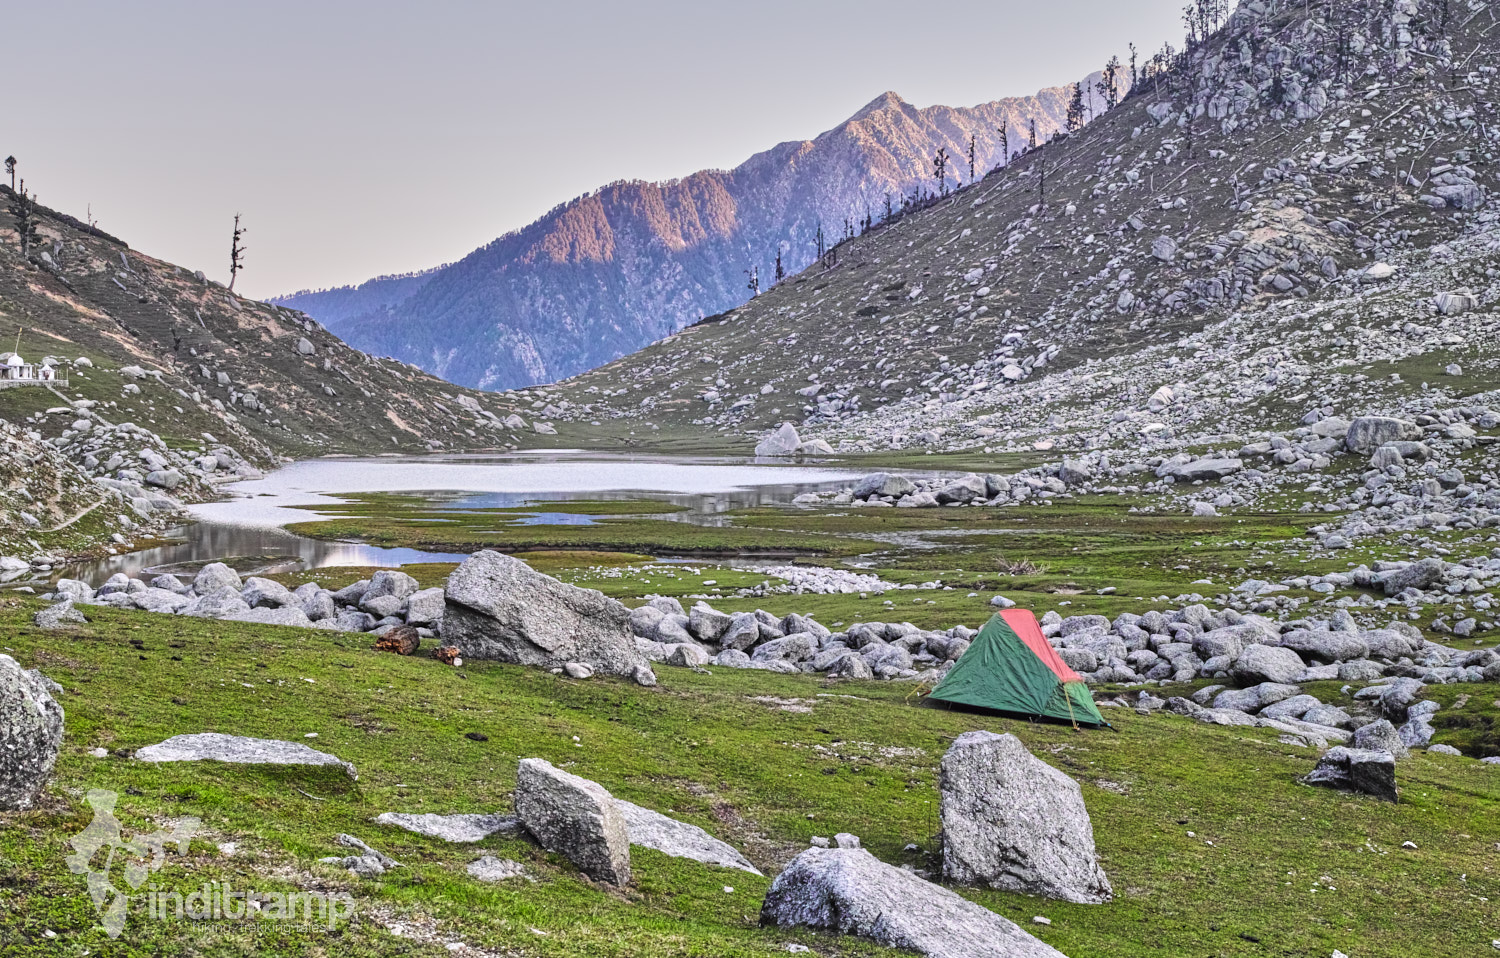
(249, 525)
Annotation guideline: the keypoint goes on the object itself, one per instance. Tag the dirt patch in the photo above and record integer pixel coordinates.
(784, 705)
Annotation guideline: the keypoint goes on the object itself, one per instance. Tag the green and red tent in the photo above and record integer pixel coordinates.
(1010, 667)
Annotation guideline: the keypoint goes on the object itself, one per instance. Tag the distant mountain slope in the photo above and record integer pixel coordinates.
(1296, 221)
(338, 306)
(180, 356)
(605, 274)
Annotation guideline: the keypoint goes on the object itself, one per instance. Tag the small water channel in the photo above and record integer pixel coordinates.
(248, 526)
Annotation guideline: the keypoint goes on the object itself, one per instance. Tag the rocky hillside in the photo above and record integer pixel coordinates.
(605, 274)
(1292, 221)
(158, 346)
(174, 384)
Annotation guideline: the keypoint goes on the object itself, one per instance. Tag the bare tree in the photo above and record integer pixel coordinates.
(236, 253)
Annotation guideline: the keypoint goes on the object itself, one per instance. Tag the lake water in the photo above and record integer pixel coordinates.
(249, 525)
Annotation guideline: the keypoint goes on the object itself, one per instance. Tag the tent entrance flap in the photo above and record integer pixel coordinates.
(1010, 667)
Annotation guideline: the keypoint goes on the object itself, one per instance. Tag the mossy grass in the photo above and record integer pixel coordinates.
(1212, 845)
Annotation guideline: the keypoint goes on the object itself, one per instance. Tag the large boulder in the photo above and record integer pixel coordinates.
(1267, 663)
(260, 593)
(1368, 433)
(848, 890)
(293, 617)
(58, 616)
(1326, 646)
(654, 830)
(1356, 770)
(317, 604)
(1205, 469)
(159, 600)
(500, 608)
(390, 582)
(706, 623)
(1389, 643)
(1380, 736)
(1012, 821)
(238, 749)
(688, 655)
(425, 608)
(742, 632)
(31, 732)
(221, 603)
(1254, 698)
(215, 576)
(1418, 575)
(1230, 641)
(963, 489)
(883, 484)
(793, 648)
(459, 827)
(575, 818)
(783, 442)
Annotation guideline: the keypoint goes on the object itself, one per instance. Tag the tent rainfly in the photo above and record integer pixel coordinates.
(1010, 667)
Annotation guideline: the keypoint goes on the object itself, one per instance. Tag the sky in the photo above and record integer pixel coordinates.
(372, 137)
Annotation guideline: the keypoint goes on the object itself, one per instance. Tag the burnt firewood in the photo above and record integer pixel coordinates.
(402, 640)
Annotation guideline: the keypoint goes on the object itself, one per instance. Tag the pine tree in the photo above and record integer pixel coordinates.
(754, 284)
(780, 273)
(971, 157)
(821, 248)
(1134, 76)
(1108, 86)
(236, 253)
(1004, 145)
(23, 207)
(888, 210)
(1075, 109)
(10, 168)
(940, 170)
(1031, 135)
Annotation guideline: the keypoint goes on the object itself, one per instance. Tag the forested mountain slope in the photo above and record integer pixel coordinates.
(604, 274)
(1291, 217)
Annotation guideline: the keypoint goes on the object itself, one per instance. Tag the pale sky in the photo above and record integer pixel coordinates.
(370, 137)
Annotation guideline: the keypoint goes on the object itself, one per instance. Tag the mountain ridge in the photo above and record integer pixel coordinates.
(623, 265)
(1277, 172)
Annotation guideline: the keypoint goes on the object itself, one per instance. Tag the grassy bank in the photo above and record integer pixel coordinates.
(1211, 844)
